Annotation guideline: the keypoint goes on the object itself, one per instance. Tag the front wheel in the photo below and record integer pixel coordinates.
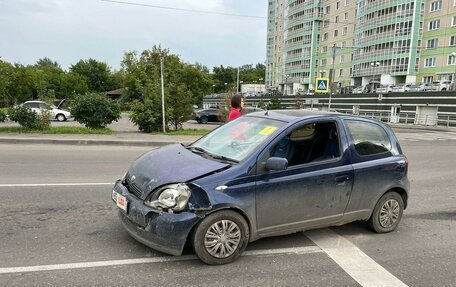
(220, 237)
(387, 213)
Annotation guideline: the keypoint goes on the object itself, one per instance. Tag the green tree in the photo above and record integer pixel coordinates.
(97, 75)
(6, 82)
(184, 84)
(275, 103)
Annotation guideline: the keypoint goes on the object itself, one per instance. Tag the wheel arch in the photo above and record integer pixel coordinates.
(399, 190)
(232, 208)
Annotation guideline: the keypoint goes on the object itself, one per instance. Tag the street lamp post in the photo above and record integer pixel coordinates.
(454, 73)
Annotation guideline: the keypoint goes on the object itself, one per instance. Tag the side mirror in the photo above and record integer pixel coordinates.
(276, 163)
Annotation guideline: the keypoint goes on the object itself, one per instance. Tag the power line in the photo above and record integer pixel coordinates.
(184, 10)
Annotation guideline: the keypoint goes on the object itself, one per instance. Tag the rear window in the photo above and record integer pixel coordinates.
(368, 138)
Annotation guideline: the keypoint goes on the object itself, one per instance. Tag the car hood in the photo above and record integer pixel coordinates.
(166, 165)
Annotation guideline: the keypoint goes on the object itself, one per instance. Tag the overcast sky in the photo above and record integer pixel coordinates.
(69, 30)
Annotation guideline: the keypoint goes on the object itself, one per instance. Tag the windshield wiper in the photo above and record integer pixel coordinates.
(198, 149)
(214, 156)
(217, 156)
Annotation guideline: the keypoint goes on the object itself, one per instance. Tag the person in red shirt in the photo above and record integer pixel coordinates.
(237, 104)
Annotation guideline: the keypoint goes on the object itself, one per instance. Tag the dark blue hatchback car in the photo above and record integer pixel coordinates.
(264, 174)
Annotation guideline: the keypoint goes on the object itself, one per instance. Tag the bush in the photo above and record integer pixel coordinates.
(147, 116)
(3, 116)
(27, 118)
(95, 111)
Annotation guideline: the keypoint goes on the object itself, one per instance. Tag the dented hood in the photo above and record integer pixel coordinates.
(166, 165)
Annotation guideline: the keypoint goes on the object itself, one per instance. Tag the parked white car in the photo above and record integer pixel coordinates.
(385, 89)
(401, 88)
(54, 112)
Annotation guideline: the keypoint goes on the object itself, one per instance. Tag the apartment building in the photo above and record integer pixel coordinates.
(354, 42)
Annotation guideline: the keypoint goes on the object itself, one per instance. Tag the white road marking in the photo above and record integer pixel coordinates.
(54, 267)
(56, 184)
(356, 263)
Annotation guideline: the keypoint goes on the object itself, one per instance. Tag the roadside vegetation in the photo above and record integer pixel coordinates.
(57, 130)
(85, 84)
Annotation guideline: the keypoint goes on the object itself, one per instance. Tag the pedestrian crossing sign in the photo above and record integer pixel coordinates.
(322, 85)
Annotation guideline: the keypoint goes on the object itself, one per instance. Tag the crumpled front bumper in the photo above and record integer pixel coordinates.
(162, 231)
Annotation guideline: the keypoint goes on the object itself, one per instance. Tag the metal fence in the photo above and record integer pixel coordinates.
(412, 119)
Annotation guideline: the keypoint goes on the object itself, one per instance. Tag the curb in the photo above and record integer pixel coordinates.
(85, 142)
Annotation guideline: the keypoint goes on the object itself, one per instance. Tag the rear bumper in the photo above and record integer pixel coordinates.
(162, 231)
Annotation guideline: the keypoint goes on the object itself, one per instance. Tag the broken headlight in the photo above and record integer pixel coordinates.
(172, 197)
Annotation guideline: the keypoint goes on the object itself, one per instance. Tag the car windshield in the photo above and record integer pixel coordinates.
(237, 139)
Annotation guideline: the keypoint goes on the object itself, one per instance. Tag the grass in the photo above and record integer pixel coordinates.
(187, 132)
(57, 130)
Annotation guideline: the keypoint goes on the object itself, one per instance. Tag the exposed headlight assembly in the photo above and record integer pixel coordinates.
(173, 197)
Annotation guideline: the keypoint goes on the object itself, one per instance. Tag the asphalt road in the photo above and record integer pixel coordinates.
(55, 208)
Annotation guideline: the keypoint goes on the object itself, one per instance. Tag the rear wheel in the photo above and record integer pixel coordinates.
(387, 213)
(220, 237)
(203, 120)
(60, 117)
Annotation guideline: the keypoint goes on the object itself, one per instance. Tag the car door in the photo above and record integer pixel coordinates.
(377, 164)
(305, 195)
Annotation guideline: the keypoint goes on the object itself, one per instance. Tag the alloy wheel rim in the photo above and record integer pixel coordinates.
(389, 213)
(222, 238)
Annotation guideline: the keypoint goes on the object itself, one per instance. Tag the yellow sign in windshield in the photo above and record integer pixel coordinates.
(267, 130)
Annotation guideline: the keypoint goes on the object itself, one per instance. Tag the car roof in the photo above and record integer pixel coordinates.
(291, 115)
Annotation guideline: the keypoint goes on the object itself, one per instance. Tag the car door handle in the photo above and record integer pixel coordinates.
(342, 179)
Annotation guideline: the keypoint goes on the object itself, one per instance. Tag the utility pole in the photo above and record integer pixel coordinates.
(332, 75)
(237, 81)
(163, 94)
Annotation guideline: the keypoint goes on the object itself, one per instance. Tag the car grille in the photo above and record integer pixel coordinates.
(132, 187)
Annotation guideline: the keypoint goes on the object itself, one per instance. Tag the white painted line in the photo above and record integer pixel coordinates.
(54, 267)
(356, 263)
(56, 184)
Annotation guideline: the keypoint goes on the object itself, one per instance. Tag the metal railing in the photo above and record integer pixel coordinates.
(412, 119)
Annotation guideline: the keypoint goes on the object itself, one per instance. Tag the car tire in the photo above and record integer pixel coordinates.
(204, 120)
(220, 238)
(387, 213)
(60, 117)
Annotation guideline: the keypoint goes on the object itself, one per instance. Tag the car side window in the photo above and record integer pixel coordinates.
(309, 143)
(368, 138)
(33, 105)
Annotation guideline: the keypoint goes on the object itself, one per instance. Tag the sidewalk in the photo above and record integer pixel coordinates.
(133, 139)
(124, 133)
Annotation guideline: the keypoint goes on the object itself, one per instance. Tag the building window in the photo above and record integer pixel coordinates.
(323, 62)
(344, 31)
(346, 2)
(324, 49)
(434, 25)
(453, 21)
(346, 16)
(451, 60)
(342, 59)
(337, 5)
(429, 62)
(427, 79)
(436, 5)
(336, 33)
(325, 23)
(325, 36)
(337, 19)
(453, 40)
(341, 73)
(432, 44)
(327, 9)
(343, 44)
